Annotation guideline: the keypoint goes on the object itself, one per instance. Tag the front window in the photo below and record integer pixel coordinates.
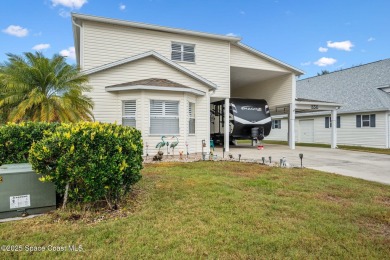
(164, 117)
(183, 52)
(128, 113)
(191, 116)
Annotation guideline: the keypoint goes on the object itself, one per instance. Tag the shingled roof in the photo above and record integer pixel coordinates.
(151, 82)
(358, 88)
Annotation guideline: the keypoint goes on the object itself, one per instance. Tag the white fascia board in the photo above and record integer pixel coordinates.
(144, 87)
(157, 56)
(319, 103)
(154, 27)
(297, 72)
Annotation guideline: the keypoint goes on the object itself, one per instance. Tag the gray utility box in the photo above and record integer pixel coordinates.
(22, 192)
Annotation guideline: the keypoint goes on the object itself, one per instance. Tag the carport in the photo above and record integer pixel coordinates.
(255, 75)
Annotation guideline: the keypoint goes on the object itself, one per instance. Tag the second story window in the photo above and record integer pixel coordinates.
(183, 52)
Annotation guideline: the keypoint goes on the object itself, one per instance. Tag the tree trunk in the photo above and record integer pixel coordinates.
(65, 195)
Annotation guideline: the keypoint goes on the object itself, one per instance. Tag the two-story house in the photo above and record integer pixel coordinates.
(162, 80)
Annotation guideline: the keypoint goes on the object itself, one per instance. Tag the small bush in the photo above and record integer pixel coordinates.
(16, 140)
(99, 161)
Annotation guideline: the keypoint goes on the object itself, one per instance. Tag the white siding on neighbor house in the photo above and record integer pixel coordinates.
(108, 105)
(105, 43)
(348, 134)
(279, 134)
(276, 91)
(242, 58)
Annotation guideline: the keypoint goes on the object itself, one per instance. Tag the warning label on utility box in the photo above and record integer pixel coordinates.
(21, 201)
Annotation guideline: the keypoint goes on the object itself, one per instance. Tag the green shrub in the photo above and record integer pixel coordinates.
(99, 161)
(16, 140)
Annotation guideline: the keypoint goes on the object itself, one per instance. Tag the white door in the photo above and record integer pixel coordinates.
(306, 131)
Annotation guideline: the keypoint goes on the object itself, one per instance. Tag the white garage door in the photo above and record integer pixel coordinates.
(306, 131)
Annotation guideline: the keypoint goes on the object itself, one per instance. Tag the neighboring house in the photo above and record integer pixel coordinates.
(364, 117)
(162, 80)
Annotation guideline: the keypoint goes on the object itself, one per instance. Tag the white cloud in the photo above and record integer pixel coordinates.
(371, 39)
(64, 13)
(323, 62)
(16, 30)
(73, 4)
(122, 7)
(42, 46)
(232, 34)
(344, 46)
(307, 63)
(70, 53)
(322, 49)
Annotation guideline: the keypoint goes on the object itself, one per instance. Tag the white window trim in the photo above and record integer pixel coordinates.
(279, 124)
(182, 44)
(369, 120)
(129, 116)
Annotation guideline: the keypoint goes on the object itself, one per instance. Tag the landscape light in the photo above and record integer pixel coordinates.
(301, 157)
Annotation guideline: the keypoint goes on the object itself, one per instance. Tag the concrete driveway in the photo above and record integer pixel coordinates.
(367, 166)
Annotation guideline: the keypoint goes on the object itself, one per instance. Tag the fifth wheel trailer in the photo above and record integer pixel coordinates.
(248, 119)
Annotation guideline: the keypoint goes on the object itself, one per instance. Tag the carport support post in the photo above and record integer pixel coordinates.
(291, 126)
(226, 125)
(334, 129)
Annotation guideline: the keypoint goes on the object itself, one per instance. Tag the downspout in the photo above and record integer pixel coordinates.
(79, 43)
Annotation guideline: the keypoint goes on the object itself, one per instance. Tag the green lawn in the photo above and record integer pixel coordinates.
(225, 210)
(344, 147)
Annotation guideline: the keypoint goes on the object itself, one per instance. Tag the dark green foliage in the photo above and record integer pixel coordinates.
(16, 140)
(99, 161)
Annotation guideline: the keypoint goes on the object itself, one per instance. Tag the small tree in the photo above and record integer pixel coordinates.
(35, 88)
(90, 161)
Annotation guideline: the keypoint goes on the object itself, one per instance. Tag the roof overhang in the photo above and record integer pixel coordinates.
(313, 106)
(161, 88)
(158, 56)
(305, 106)
(296, 71)
(76, 17)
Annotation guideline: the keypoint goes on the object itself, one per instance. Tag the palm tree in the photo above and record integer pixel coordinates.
(36, 88)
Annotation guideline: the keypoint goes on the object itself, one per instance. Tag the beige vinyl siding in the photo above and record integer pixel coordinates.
(105, 43)
(348, 134)
(242, 58)
(277, 91)
(108, 105)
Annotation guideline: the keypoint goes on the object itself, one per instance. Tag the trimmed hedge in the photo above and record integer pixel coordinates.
(99, 161)
(16, 140)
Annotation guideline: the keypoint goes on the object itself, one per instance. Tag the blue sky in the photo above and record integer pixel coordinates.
(310, 35)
